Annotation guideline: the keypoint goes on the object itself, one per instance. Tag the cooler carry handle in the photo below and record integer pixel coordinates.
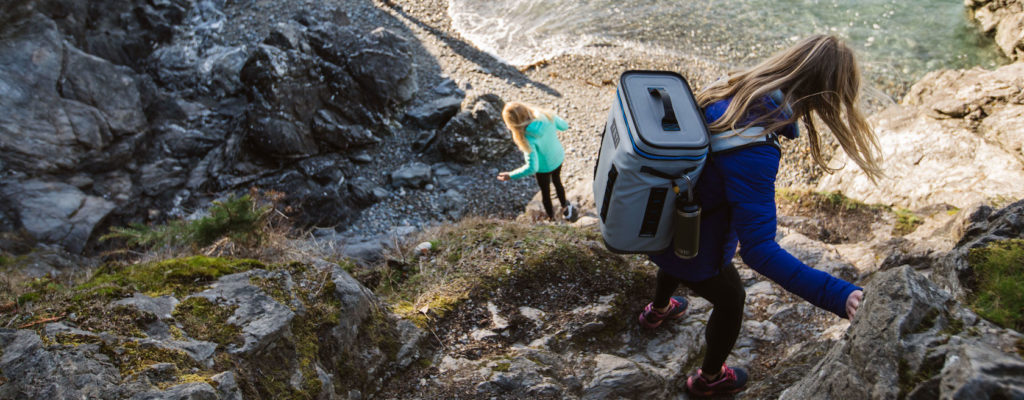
(668, 121)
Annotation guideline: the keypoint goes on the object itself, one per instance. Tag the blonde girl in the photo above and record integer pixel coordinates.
(816, 77)
(535, 133)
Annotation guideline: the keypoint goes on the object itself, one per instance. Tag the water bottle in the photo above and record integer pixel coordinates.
(686, 224)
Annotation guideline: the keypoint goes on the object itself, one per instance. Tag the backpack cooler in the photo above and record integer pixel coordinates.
(655, 138)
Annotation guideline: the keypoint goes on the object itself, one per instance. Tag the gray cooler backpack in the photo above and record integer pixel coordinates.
(654, 143)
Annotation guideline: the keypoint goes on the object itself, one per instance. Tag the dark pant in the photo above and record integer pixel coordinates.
(726, 294)
(544, 180)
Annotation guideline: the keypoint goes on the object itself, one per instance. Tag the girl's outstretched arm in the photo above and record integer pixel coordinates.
(530, 166)
(560, 123)
(750, 189)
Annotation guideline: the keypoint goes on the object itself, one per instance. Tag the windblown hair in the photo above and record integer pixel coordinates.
(518, 116)
(818, 75)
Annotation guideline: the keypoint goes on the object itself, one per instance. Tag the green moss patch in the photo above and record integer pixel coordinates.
(998, 295)
(201, 319)
(133, 357)
(906, 222)
(179, 276)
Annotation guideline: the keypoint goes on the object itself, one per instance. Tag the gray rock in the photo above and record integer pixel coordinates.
(33, 372)
(227, 386)
(329, 129)
(362, 158)
(977, 371)
(384, 68)
(185, 391)
(281, 138)
(898, 333)
(616, 377)
(356, 302)
(364, 191)
(448, 87)
(415, 175)
(109, 88)
(219, 70)
(162, 177)
(43, 132)
(56, 212)
(262, 319)
(288, 36)
(435, 113)
(477, 134)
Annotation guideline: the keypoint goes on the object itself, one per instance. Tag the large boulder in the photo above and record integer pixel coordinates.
(477, 134)
(63, 108)
(956, 139)
(1003, 19)
(56, 212)
(911, 339)
(325, 85)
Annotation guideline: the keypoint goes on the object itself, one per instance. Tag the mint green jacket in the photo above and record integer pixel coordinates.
(546, 151)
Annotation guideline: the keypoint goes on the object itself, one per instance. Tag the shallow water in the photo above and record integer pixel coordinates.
(897, 41)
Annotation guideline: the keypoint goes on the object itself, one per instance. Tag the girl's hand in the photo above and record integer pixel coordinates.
(853, 302)
(503, 176)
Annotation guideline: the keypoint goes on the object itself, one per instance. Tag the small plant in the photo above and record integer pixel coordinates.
(239, 218)
(999, 295)
(839, 200)
(906, 222)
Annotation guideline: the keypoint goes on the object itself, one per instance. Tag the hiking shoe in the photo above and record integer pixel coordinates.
(570, 213)
(651, 318)
(731, 380)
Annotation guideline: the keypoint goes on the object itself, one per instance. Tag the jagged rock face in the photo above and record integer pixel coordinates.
(60, 119)
(1005, 20)
(956, 139)
(476, 134)
(912, 339)
(311, 331)
(159, 107)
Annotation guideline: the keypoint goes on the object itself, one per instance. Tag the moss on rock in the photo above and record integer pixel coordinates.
(132, 357)
(999, 293)
(201, 319)
(179, 276)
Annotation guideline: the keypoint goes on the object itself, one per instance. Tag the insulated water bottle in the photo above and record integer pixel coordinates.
(686, 224)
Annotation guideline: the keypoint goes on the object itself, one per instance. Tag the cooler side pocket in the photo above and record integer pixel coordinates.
(608, 188)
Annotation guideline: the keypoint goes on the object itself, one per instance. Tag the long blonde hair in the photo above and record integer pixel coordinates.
(518, 116)
(818, 74)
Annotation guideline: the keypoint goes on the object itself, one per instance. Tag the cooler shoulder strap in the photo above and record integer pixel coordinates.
(729, 141)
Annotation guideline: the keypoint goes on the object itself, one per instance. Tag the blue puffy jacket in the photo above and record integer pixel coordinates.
(736, 191)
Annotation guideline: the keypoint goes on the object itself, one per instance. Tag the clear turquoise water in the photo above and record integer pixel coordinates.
(897, 40)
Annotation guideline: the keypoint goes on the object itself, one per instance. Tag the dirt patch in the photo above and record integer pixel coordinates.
(829, 217)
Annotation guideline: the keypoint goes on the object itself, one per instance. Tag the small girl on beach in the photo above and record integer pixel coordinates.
(535, 132)
(816, 76)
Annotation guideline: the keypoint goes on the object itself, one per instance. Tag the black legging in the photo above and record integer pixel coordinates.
(543, 179)
(726, 294)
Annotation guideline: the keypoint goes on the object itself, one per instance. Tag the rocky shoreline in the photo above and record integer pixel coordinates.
(377, 122)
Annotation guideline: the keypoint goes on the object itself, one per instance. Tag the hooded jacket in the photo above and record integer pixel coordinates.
(546, 151)
(736, 191)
